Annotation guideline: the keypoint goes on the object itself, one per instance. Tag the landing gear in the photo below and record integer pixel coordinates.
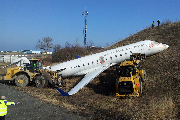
(60, 81)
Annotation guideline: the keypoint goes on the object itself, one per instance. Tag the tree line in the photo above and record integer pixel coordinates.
(69, 52)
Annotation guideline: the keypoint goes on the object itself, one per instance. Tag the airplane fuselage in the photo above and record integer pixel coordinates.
(84, 65)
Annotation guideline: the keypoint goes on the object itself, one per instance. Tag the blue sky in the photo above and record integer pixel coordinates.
(24, 22)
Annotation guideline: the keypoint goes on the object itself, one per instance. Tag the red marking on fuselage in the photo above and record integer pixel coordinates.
(152, 44)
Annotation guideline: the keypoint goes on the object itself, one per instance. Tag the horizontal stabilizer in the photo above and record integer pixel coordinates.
(78, 56)
(62, 92)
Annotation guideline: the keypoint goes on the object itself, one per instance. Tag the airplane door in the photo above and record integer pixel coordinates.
(101, 58)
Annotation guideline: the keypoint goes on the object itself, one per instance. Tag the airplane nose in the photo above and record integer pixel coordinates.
(167, 46)
(164, 46)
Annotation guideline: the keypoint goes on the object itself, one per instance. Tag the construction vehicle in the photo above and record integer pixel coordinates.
(31, 71)
(130, 77)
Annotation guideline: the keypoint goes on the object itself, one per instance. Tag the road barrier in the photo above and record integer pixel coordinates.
(10, 58)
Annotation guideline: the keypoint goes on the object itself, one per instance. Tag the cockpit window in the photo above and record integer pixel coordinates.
(154, 43)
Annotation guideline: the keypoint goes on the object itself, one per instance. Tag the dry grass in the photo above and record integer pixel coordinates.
(161, 109)
(160, 99)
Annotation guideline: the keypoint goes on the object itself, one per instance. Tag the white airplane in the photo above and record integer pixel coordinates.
(91, 66)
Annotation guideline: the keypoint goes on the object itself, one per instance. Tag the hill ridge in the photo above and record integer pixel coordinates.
(149, 34)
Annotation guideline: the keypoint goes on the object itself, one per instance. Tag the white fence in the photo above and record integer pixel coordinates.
(8, 58)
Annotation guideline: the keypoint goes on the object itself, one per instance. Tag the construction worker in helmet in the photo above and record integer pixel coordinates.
(35, 65)
(153, 24)
(3, 107)
(158, 22)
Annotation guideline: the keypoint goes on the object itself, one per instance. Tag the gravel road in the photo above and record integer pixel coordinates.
(33, 109)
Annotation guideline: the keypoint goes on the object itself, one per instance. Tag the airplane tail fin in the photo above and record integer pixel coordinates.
(62, 92)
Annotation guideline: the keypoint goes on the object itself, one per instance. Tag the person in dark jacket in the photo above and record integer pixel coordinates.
(3, 107)
(158, 22)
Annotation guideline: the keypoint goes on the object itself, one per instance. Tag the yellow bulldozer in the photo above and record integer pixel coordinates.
(130, 77)
(31, 71)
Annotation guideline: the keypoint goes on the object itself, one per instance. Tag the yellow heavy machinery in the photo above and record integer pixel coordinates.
(31, 71)
(130, 77)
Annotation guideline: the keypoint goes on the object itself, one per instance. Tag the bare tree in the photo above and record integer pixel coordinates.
(45, 44)
(91, 43)
(57, 55)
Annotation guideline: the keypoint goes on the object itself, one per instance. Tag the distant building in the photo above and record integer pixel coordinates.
(14, 51)
(24, 51)
(45, 52)
(31, 52)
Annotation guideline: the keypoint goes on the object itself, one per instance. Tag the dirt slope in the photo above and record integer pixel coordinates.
(161, 96)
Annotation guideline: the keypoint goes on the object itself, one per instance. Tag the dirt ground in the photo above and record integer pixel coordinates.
(97, 100)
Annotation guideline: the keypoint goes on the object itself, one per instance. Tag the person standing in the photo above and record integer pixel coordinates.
(153, 24)
(158, 22)
(3, 107)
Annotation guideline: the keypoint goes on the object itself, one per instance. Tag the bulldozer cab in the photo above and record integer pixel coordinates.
(124, 71)
(35, 64)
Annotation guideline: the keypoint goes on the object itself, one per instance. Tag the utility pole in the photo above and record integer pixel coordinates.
(85, 13)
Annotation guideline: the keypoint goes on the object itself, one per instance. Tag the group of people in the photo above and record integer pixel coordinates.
(3, 107)
(153, 24)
